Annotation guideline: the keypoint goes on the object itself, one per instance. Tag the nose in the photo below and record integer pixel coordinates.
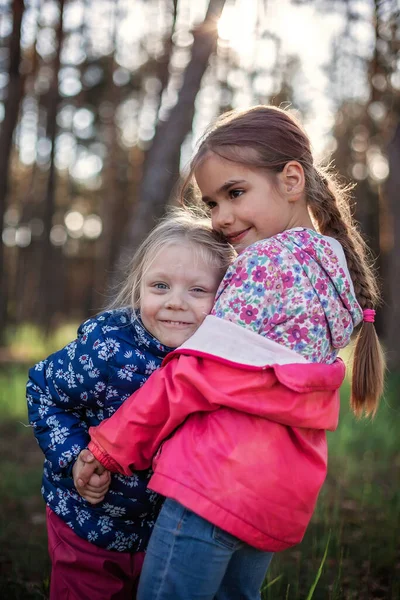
(223, 217)
(175, 300)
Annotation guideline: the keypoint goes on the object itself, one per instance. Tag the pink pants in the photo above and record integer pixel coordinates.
(82, 571)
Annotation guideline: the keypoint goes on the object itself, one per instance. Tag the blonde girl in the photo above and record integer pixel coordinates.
(97, 552)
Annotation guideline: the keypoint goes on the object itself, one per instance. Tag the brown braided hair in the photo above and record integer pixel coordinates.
(268, 137)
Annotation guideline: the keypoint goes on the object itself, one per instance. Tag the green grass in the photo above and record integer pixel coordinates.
(358, 508)
(12, 393)
(27, 344)
(24, 564)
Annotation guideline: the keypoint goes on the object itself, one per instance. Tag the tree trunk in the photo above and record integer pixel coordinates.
(11, 111)
(392, 312)
(162, 168)
(49, 270)
(162, 71)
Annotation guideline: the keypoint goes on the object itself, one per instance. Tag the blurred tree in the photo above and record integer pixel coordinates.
(392, 310)
(50, 280)
(124, 107)
(11, 110)
(114, 214)
(385, 106)
(365, 84)
(97, 149)
(162, 166)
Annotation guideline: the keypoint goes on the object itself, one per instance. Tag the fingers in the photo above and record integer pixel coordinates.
(86, 456)
(94, 491)
(93, 497)
(100, 469)
(91, 479)
(99, 482)
(85, 471)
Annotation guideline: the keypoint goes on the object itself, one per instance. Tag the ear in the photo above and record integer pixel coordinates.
(292, 180)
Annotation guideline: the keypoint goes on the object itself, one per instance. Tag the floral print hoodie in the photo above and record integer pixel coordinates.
(295, 289)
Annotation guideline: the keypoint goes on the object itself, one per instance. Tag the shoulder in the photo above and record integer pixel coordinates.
(265, 253)
(262, 249)
(107, 333)
(106, 322)
(284, 248)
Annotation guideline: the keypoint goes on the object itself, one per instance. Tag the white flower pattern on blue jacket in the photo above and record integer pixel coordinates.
(76, 388)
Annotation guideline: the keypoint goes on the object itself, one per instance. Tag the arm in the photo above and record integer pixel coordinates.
(58, 391)
(129, 439)
(188, 384)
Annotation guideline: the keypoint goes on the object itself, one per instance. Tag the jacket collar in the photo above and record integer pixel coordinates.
(145, 339)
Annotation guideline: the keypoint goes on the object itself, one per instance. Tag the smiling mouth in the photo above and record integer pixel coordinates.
(176, 323)
(237, 236)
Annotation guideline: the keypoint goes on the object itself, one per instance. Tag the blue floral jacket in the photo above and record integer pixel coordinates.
(76, 388)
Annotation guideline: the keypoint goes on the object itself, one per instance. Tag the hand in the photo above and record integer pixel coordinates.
(91, 479)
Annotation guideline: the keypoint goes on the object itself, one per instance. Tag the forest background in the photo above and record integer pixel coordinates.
(101, 105)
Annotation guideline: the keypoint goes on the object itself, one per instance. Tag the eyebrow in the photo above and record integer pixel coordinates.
(224, 187)
(162, 276)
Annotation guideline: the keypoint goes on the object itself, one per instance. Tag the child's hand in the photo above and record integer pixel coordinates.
(91, 479)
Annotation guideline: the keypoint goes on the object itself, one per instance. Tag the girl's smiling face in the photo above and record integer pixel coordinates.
(249, 204)
(177, 292)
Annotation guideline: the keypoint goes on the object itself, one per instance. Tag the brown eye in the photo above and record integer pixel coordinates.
(210, 204)
(235, 193)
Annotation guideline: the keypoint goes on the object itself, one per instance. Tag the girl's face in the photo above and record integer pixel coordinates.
(247, 205)
(177, 293)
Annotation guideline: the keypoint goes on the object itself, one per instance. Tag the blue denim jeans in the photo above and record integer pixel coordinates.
(188, 558)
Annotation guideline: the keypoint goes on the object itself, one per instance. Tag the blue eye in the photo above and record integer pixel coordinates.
(160, 286)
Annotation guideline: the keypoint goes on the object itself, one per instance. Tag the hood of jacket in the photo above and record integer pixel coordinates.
(323, 261)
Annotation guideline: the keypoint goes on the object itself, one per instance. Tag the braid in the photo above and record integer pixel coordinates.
(329, 204)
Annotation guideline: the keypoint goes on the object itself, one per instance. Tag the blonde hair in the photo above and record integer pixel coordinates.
(179, 226)
(268, 137)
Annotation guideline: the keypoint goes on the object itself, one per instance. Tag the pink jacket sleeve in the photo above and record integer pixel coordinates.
(295, 395)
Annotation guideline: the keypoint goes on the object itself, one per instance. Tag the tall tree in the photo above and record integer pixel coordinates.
(11, 111)
(114, 215)
(162, 165)
(48, 285)
(368, 114)
(392, 320)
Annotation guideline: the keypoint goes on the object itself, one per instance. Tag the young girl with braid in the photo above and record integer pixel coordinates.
(241, 408)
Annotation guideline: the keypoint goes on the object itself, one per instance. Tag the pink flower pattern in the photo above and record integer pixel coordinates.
(308, 304)
(239, 276)
(249, 314)
(259, 274)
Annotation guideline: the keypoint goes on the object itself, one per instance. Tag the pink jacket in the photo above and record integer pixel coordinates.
(243, 443)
